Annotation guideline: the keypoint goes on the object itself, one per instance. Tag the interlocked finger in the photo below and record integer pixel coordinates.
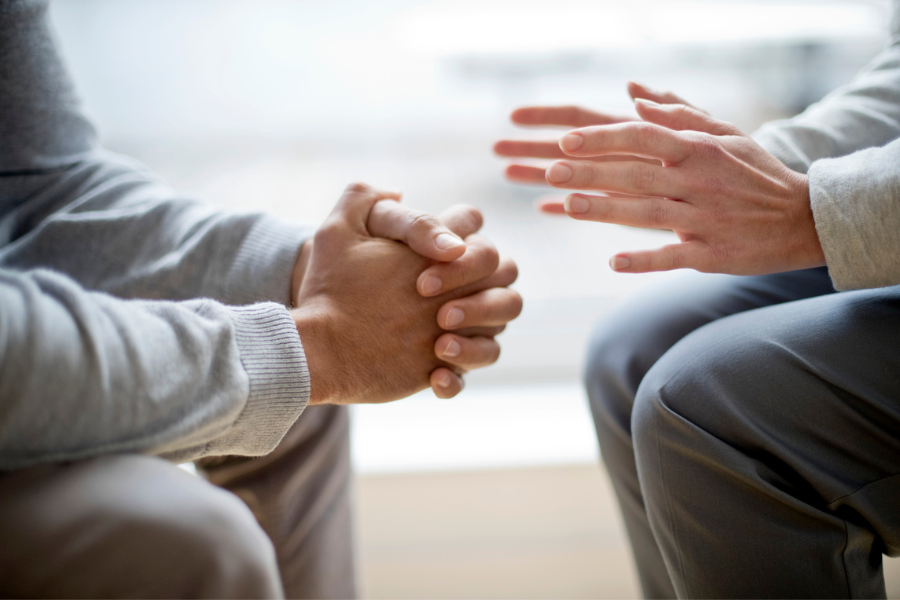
(445, 383)
(467, 352)
(424, 233)
(489, 308)
(480, 260)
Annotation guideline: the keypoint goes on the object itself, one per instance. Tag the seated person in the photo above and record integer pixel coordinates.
(139, 329)
(749, 418)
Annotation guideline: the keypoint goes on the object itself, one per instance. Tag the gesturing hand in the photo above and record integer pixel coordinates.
(369, 334)
(567, 117)
(735, 207)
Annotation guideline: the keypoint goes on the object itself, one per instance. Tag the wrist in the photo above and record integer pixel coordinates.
(312, 331)
(810, 248)
(300, 270)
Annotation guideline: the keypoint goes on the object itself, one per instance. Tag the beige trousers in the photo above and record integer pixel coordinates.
(138, 526)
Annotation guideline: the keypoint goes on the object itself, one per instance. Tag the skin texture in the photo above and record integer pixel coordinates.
(735, 208)
(369, 332)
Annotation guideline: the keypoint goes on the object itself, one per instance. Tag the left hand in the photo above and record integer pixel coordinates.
(461, 259)
(736, 208)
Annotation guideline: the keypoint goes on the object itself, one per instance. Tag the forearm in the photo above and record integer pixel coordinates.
(83, 374)
(863, 114)
(114, 227)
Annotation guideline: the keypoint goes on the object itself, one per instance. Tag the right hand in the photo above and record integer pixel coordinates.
(369, 334)
(569, 117)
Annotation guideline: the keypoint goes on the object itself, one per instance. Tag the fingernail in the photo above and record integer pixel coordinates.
(445, 241)
(577, 204)
(455, 316)
(559, 173)
(432, 285)
(646, 102)
(619, 262)
(571, 141)
(453, 349)
(445, 380)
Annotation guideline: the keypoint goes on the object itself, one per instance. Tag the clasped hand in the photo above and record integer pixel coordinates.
(390, 300)
(735, 207)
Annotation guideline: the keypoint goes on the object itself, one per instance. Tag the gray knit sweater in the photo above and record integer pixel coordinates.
(120, 324)
(120, 329)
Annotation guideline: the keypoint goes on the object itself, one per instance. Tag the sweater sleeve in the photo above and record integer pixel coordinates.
(856, 206)
(863, 114)
(102, 219)
(83, 373)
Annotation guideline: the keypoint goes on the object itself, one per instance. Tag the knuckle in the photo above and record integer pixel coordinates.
(657, 213)
(327, 232)
(642, 177)
(706, 146)
(646, 136)
(423, 222)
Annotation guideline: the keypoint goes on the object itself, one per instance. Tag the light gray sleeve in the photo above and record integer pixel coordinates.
(103, 219)
(83, 373)
(862, 114)
(856, 205)
(112, 226)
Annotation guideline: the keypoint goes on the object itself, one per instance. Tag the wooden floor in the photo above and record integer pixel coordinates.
(549, 532)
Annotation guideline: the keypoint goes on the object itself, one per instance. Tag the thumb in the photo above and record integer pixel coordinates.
(682, 117)
(355, 204)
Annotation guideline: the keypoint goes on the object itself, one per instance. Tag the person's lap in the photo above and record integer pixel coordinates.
(761, 438)
(138, 526)
(630, 340)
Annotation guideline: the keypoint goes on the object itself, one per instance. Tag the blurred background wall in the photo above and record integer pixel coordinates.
(275, 105)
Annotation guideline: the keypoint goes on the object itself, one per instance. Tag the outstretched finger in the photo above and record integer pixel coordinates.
(564, 116)
(639, 90)
(634, 211)
(551, 205)
(681, 117)
(526, 174)
(549, 150)
(632, 178)
(424, 233)
(647, 140)
(686, 255)
(446, 383)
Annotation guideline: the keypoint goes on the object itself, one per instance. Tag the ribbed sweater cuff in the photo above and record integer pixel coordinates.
(272, 355)
(262, 268)
(854, 204)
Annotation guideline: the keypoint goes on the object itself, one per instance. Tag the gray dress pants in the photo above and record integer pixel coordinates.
(751, 429)
(139, 527)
